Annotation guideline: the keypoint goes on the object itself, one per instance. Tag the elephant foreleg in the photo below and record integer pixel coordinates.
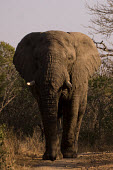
(70, 116)
(51, 136)
(52, 129)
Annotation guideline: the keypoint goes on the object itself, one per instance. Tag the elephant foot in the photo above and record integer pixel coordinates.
(47, 156)
(52, 157)
(69, 154)
(59, 156)
(69, 151)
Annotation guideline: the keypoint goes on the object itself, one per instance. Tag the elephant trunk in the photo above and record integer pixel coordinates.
(48, 107)
(51, 82)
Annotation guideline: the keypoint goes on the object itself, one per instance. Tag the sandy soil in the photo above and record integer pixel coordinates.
(85, 161)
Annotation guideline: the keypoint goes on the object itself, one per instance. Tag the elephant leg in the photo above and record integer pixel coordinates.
(52, 130)
(70, 116)
(59, 125)
(79, 121)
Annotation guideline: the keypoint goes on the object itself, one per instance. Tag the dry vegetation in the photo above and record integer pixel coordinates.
(14, 147)
(25, 154)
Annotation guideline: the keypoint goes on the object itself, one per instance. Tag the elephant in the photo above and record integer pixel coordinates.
(57, 65)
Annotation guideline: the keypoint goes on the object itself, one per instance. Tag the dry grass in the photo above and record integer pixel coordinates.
(32, 145)
(8, 149)
(25, 153)
(13, 146)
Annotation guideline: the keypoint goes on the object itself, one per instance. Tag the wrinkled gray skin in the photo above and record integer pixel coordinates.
(57, 65)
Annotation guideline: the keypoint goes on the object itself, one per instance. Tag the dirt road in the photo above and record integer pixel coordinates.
(93, 161)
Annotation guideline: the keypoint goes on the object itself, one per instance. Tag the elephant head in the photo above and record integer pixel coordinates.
(58, 65)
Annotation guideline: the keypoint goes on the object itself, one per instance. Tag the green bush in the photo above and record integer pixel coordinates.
(97, 125)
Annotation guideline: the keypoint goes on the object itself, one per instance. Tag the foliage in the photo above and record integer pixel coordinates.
(102, 23)
(21, 113)
(18, 109)
(8, 75)
(97, 127)
(100, 97)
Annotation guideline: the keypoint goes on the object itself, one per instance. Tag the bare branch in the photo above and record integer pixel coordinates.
(106, 55)
(102, 20)
(5, 104)
(101, 46)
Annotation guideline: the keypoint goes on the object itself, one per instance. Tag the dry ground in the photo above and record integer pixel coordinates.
(95, 161)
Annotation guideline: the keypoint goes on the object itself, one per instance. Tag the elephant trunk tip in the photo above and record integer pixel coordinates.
(31, 83)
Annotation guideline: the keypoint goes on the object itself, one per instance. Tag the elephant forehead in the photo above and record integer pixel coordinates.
(55, 42)
(63, 49)
(61, 43)
(56, 47)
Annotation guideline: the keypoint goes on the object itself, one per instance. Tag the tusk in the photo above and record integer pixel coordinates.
(31, 83)
(69, 85)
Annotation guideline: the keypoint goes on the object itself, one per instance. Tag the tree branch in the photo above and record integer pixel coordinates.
(101, 45)
(102, 17)
(3, 106)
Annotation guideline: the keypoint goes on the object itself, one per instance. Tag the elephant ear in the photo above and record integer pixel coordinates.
(87, 58)
(23, 58)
